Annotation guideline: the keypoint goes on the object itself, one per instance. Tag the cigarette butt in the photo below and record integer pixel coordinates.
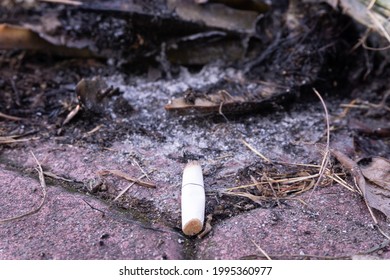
(192, 199)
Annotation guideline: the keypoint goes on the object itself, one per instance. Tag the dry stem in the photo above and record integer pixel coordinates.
(8, 117)
(255, 151)
(325, 159)
(127, 177)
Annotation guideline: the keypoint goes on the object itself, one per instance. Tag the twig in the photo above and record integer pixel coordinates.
(69, 2)
(12, 118)
(43, 185)
(72, 114)
(325, 159)
(94, 208)
(127, 177)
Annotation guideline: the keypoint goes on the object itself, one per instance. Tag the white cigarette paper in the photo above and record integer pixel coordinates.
(192, 199)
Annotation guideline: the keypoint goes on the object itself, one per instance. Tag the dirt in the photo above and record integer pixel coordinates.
(133, 132)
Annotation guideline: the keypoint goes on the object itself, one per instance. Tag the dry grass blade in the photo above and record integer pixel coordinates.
(325, 159)
(43, 185)
(127, 177)
(379, 25)
(295, 179)
(347, 108)
(55, 176)
(261, 250)
(383, 233)
(142, 170)
(92, 131)
(353, 168)
(255, 151)
(127, 188)
(342, 182)
(276, 188)
(269, 181)
(298, 164)
(243, 187)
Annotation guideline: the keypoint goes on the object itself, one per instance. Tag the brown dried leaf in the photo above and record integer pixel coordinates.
(377, 172)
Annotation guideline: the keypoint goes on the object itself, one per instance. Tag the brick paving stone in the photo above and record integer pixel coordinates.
(83, 164)
(335, 224)
(67, 228)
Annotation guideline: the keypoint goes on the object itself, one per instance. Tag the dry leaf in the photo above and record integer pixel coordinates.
(377, 172)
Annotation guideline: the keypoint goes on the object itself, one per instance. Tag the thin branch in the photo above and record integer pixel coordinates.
(127, 177)
(8, 117)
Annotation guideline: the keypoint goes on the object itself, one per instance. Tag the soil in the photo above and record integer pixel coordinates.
(129, 129)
